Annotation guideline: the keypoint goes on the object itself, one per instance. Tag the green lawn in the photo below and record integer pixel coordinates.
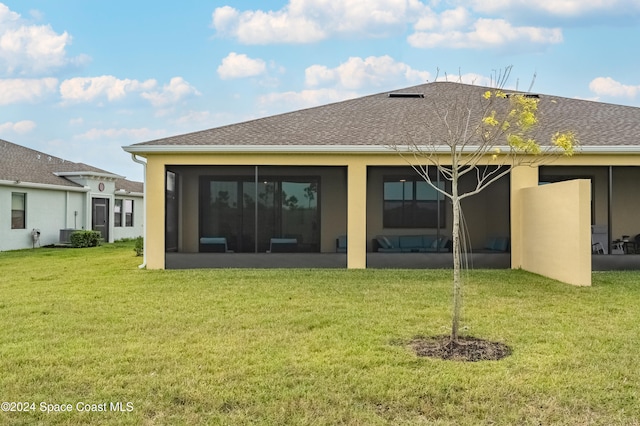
(307, 347)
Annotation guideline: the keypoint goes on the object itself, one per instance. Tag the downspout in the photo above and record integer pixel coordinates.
(144, 210)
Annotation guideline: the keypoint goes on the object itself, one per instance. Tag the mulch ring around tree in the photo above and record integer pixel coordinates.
(468, 349)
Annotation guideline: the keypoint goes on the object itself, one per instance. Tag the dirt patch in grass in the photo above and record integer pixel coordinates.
(469, 349)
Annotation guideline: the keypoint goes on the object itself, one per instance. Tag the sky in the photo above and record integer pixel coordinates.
(80, 79)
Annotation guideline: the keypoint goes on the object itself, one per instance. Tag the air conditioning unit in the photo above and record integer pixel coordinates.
(65, 235)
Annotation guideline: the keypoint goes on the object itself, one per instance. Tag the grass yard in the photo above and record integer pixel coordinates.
(86, 327)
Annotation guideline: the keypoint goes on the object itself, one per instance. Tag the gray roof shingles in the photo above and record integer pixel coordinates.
(382, 120)
(18, 163)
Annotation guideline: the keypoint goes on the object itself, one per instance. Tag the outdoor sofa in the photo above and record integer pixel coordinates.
(411, 243)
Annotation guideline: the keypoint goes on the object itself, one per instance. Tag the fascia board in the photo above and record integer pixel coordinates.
(89, 174)
(339, 149)
(32, 185)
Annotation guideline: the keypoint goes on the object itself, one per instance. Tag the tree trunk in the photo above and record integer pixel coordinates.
(457, 281)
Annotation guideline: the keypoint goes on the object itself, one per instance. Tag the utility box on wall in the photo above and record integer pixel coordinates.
(65, 235)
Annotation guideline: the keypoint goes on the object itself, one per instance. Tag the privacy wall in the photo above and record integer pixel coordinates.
(556, 231)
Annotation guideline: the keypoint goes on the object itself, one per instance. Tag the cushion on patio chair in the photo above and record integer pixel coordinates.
(283, 245)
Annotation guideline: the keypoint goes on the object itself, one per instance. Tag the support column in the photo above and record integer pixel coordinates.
(521, 177)
(357, 215)
(155, 220)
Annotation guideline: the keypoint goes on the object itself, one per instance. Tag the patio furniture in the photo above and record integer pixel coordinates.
(411, 243)
(617, 247)
(214, 245)
(599, 239)
(283, 245)
(341, 244)
(497, 244)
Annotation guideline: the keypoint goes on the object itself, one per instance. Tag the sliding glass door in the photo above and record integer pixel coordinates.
(249, 212)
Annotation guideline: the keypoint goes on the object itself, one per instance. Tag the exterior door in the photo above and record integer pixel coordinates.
(248, 217)
(100, 216)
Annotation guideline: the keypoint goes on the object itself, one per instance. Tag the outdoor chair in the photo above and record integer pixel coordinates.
(599, 239)
(283, 245)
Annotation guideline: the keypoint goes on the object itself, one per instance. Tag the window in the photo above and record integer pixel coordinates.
(123, 213)
(128, 212)
(18, 210)
(412, 203)
(117, 213)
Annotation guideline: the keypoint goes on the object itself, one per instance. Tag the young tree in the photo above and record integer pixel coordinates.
(484, 136)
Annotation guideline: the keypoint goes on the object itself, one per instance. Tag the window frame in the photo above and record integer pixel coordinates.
(19, 222)
(128, 215)
(117, 212)
(122, 217)
(411, 204)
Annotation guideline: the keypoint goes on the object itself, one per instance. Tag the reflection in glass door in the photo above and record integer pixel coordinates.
(286, 208)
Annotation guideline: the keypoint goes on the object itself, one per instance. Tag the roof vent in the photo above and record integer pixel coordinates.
(406, 95)
(526, 95)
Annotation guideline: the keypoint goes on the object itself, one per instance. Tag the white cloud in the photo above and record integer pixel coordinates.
(488, 33)
(560, 8)
(25, 90)
(307, 21)
(606, 86)
(31, 49)
(240, 66)
(445, 21)
(356, 73)
(87, 89)
(171, 93)
(20, 127)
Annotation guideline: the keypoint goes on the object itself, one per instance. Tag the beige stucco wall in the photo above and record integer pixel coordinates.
(521, 177)
(556, 229)
(599, 188)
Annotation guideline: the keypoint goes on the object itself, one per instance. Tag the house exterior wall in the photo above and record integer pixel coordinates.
(155, 221)
(357, 215)
(521, 177)
(48, 210)
(122, 232)
(556, 227)
(363, 195)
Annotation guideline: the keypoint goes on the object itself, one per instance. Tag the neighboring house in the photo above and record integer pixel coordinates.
(52, 196)
(313, 176)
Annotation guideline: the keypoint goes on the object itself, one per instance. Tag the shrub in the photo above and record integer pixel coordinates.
(85, 238)
(139, 247)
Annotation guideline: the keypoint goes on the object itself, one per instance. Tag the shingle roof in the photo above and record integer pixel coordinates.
(18, 163)
(381, 120)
